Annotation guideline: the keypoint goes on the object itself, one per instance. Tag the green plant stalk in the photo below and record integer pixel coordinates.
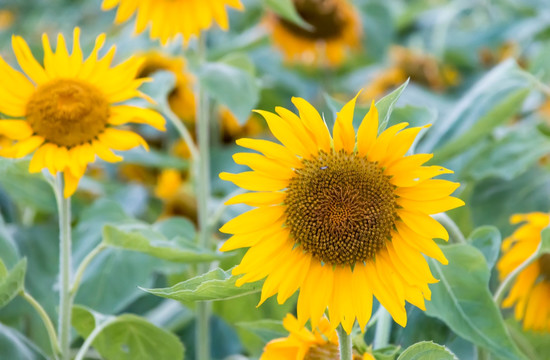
(46, 320)
(499, 294)
(82, 267)
(383, 328)
(344, 343)
(203, 194)
(90, 339)
(455, 234)
(182, 130)
(65, 301)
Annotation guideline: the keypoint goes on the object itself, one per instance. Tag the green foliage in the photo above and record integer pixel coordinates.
(286, 9)
(214, 285)
(463, 301)
(427, 351)
(487, 239)
(13, 282)
(126, 336)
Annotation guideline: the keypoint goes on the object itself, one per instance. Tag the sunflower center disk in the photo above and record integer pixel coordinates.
(327, 351)
(340, 208)
(67, 112)
(325, 17)
(544, 262)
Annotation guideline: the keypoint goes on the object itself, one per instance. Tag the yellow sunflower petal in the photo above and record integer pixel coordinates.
(258, 198)
(284, 133)
(431, 206)
(253, 220)
(15, 129)
(272, 151)
(123, 114)
(261, 164)
(122, 139)
(343, 132)
(26, 60)
(251, 180)
(366, 134)
(314, 123)
(423, 224)
(71, 183)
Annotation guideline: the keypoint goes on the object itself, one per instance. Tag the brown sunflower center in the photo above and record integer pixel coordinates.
(67, 112)
(544, 262)
(328, 351)
(325, 16)
(340, 208)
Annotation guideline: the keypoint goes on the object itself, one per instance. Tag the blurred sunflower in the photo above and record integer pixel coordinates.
(335, 29)
(300, 344)
(169, 18)
(181, 99)
(231, 129)
(531, 289)
(177, 198)
(67, 109)
(341, 219)
(421, 68)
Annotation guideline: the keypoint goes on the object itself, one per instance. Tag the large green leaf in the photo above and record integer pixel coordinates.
(8, 251)
(214, 285)
(386, 104)
(13, 282)
(463, 301)
(150, 242)
(233, 87)
(127, 337)
(535, 344)
(427, 350)
(266, 329)
(487, 239)
(500, 113)
(14, 346)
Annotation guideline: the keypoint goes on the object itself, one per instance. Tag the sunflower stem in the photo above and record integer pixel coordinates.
(164, 108)
(202, 344)
(499, 294)
(83, 265)
(344, 341)
(455, 234)
(54, 342)
(64, 324)
(383, 328)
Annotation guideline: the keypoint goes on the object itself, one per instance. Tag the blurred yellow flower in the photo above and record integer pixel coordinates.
(341, 218)
(300, 344)
(335, 30)
(169, 18)
(68, 109)
(531, 289)
(232, 130)
(7, 18)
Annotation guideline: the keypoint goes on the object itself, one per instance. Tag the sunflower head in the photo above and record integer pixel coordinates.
(334, 28)
(531, 288)
(68, 108)
(169, 18)
(302, 344)
(341, 217)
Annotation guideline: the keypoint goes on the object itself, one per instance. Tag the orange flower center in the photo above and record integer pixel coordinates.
(328, 351)
(67, 112)
(325, 16)
(340, 208)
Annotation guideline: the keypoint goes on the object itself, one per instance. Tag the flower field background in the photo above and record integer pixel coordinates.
(127, 230)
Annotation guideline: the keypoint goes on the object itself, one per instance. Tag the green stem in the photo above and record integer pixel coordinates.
(203, 194)
(180, 127)
(344, 341)
(90, 339)
(47, 322)
(499, 294)
(64, 324)
(455, 234)
(83, 265)
(383, 328)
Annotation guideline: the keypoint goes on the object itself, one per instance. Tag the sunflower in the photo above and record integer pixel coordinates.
(231, 129)
(335, 28)
(531, 289)
(319, 344)
(68, 109)
(341, 220)
(181, 99)
(169, 18)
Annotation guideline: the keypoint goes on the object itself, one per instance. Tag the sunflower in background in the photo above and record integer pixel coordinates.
(300, 344)
(335, 29)
(341, 218)
(421, 68)
(68, 110)
(531, 289)
(169, 18)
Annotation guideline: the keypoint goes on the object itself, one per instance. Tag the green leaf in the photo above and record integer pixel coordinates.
(386, 104)
(427, 350)
(8, 250)
(214, 285)
(535, 344)
(545, 242)
(286, 10)
(176, 227)
(386, 353)
(463, 301)
(501, 113)
(15, 346)
(158, 89)
(127, 336)
(487, 239)
(154, 159)
(233, 87)
(266, 329)
(3, 270)
(13, 283)
(147, 241)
